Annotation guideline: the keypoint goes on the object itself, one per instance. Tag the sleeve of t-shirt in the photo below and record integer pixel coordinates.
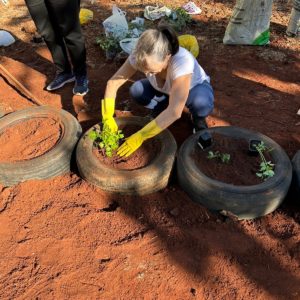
(132, 61)
(181, 66)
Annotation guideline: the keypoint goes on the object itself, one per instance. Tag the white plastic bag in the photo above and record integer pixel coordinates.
(249, 23)
(128, 44)
(6, 38)
(294, 22)
(116, 24)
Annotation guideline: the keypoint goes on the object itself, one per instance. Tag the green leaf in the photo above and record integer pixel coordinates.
(225, 158)
(109, 140)
(211, 155)
(92, 135)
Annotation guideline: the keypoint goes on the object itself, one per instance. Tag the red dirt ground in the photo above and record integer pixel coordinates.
(62, 238)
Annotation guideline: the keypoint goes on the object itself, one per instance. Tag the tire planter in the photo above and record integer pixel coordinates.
(146, 180)
(296, 173)
(52, 163)
(244, 202)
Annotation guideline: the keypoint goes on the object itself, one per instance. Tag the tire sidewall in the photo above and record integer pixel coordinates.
(141, 181)
(55, 161)
(243, 201)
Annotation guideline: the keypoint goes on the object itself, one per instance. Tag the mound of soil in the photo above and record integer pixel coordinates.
(29, 139)
(241, 168)
(139, 159)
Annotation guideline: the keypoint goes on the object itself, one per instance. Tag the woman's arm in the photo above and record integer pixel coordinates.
(177, 100)
(118, 79)
(178, 96)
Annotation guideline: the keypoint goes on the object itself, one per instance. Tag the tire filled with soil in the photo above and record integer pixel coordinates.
(145, 171)
(296, 173)
(233, 188)
(36, 143)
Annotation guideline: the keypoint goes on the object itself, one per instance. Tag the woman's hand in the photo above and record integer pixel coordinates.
(131, 144)
(136, 140)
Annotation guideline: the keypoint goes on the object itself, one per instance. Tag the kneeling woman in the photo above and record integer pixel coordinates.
(174, 79)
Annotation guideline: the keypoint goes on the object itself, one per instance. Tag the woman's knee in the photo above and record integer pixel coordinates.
(138, 92)
(202, 102)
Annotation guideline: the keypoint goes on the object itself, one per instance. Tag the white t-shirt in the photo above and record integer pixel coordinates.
(182, 63)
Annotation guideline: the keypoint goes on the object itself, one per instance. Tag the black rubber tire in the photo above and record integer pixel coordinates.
(149, 179)
(244, 202)
(296, 173)
(52, 163)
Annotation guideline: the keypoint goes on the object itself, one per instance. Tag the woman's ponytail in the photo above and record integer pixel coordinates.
(171, 36)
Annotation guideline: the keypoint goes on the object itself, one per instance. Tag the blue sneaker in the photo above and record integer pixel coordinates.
(60, 80)
(81, 85)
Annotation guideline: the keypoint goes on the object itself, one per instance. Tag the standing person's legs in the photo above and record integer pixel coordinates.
(66, 15)
(200, 103)
(145, 94)
(55, 43)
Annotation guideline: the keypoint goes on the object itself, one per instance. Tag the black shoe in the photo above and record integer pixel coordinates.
(60, 80)
(81, 85)
(199, 123)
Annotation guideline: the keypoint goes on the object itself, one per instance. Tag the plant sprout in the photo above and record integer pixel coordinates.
(179, 19)
(266, 167)
(106, 139)
(224, 157)
(109, 43)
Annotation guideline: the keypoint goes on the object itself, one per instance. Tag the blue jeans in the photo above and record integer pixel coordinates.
(200, 101)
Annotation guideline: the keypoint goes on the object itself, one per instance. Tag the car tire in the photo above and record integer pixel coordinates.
(52, 163)
(146, 180)
(296, 173)
(244, 202)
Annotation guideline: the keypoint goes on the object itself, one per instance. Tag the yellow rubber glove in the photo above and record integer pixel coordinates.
(136, 140)
(108, 110)
(190, 43)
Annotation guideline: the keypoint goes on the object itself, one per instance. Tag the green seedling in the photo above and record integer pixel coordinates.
(179, 19)
(106, 139)
(212, 155)
(109, 43)
(266, 167)
(224, 157)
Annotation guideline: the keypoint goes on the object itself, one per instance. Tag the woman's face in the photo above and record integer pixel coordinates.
(152, 66)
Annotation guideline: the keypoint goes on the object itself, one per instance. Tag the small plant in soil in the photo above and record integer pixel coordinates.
(106, 139)
(266, 167)
(223, 157)
(179, 19)
(109, 44)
